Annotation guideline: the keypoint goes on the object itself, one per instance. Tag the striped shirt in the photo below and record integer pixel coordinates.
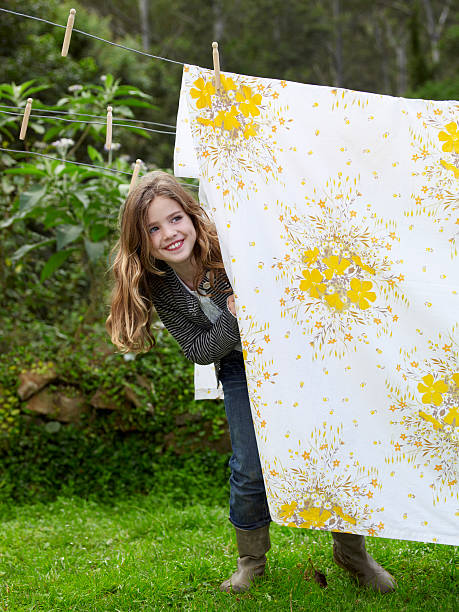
(201, 340)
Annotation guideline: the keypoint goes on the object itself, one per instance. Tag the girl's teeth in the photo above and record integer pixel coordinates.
(174, 246)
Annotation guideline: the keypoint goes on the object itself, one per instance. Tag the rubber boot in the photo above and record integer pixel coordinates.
(252, 545)
(349, 553)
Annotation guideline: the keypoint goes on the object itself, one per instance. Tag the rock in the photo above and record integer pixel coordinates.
(58, 405)
(102, 401)
(69, 408)
(42, 403)
(31, 382)
(132, 396)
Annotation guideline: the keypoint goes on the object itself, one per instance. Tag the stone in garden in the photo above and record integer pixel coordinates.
(42, 403)
(101, 400)
(31, 382)
(132, 396)
(58, 405)
(69, 408)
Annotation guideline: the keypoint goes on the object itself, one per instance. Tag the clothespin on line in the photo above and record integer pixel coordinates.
(216, 60)
(25, 119)
(68, 33)
(108, 137)
(135, 174)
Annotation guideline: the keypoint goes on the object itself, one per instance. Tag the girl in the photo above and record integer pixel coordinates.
(168, 258)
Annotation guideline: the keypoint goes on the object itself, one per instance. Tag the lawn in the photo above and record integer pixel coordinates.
(156, 553)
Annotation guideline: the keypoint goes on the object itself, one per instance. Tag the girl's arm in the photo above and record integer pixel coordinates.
(200, 346)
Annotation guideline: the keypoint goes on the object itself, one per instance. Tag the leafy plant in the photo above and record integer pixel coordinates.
(73, 208)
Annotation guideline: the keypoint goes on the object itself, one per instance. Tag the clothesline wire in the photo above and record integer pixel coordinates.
(88, 122)
(67, 161)
(49, 110)
(109, 42)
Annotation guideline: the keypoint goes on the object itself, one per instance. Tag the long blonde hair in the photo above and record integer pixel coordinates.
(131, 307)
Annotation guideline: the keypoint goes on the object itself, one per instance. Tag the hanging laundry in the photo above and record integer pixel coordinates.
(337, 213)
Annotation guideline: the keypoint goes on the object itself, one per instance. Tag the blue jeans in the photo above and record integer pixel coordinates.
(248, 503)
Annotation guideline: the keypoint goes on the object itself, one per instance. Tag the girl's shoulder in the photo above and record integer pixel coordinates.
(161, 286)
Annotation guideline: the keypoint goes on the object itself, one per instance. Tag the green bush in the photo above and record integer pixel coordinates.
(41, 466)
(110, 452)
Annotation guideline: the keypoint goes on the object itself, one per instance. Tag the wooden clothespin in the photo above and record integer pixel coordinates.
(108, 137)
(216, 59)
(68, 33)
(135, 174)
(25, 119)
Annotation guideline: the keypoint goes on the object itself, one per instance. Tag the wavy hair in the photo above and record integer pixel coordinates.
(131, 306)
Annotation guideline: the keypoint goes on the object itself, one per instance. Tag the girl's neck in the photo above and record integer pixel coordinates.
(186, 271)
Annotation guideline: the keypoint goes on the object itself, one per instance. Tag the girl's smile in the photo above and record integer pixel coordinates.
(175, 245)
(172, 234)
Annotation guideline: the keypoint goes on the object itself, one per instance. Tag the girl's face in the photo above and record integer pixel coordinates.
(171, 231)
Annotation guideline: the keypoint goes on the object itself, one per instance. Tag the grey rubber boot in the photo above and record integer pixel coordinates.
(252, 545)
(349, 553)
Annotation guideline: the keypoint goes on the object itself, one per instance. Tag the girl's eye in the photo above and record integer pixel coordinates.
(152, 229)
(177, 218)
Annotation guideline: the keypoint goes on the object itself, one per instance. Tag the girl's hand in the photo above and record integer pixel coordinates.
(231, 305)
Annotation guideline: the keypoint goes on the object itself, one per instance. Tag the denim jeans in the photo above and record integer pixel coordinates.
(248, 503)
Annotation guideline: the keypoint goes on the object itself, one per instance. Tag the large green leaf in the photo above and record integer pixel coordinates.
(53, 263)
(66, 234)
(37, 88)
(98, 231)
(94, 154)
(82, 197)
(55, 216)
(37, 127)
(28, 247)
(95, 250)
(134, 102)
(26, 169)
(10, 220)
(29, 199)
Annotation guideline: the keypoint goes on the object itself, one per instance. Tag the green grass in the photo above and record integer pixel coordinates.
(155, 553)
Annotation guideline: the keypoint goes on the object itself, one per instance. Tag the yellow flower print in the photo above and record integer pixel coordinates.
(361, 265)
(314, 517)
(228, 119)
(249, 104)
(334, 301)
(452, 418)
(430, 419)
(360, 293)
(450, 167)
(204, 121)
(455, 377)
(249, 130)
(311, 256)
(339, 511)
(202, 93)
(335, 265)
(450, 138)
(312, 282)
(288, 510)
(227, 83)
(432, 391)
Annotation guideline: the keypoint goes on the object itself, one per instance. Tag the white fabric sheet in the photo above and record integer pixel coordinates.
(337, 213)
